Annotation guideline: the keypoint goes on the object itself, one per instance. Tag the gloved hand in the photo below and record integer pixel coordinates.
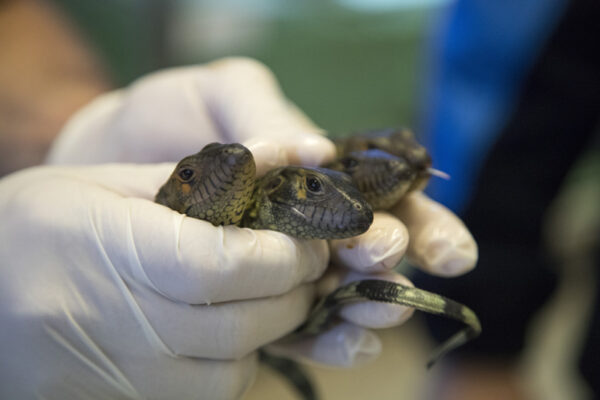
(106, 294)
(171, 114)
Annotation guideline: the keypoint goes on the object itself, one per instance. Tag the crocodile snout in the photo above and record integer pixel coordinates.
(237, 154)
(363, 217)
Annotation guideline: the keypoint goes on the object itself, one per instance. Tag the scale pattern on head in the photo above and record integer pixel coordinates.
(215, 184)
(399, 142)
(309, 203)
(382, 178)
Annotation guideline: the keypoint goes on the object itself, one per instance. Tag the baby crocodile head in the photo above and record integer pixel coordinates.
(215, 184)
(381, 177)
(405, 145)
(399, 142)
(309, 203)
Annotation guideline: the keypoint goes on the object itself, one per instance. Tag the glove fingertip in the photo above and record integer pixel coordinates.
(379, 249)
(81, 140)
(312, 149)
(345, 345)
(440, 253)
(267, 155)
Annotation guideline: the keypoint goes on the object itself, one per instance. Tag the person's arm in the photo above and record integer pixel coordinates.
(47, 71)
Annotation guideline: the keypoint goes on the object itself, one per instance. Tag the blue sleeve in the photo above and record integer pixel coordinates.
(479, 56)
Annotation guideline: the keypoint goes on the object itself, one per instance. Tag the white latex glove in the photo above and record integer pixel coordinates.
(171, 114)
(174, 113)
(106, 294)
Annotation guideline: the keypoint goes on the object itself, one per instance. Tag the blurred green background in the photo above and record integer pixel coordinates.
(349, 64)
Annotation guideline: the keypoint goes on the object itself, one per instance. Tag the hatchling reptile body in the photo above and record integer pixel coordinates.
(218, 184)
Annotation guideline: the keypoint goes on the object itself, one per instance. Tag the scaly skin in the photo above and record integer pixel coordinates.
(382, 178)
(218, 184)
(308, 203)
(215, 184)
(400, 143)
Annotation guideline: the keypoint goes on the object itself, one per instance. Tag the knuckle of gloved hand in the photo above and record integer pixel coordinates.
(249, 325)
(35, 197)
(236, 377)
(314, 257)
(239, 337)
(195, 378)
(162, 79)
(244, 66)
(250, 328)
(230, 337)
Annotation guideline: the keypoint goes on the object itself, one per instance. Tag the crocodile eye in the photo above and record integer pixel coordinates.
(186, 174)
(313, 184)
(349, 163)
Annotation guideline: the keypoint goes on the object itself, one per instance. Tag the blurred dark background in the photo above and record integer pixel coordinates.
(350, 65)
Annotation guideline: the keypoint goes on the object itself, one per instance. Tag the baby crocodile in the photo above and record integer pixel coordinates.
(382, 178)
(399, 142)
(384, 164)
(308, 203)
(218, 184)
(214, 185)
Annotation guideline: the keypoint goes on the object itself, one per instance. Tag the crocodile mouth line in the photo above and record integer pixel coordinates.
(292, 209)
